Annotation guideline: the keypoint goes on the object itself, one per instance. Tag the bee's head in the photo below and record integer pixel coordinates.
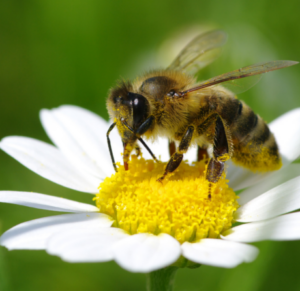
(124, 106)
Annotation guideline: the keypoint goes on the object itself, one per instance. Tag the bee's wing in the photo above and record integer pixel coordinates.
(234, 80)
(200, 52)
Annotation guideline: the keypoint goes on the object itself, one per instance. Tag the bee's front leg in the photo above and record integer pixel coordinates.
(130, 143)
(172, 148)
(137, 150)
(216, 164)
(177, 157)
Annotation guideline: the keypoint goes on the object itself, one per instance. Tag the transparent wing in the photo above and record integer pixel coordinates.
(200, 52)
(241, 85)
(234, 80)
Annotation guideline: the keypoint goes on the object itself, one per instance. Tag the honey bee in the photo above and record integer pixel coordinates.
(170, 103)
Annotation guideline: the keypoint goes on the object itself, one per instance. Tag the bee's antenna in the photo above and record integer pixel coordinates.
(109, 145)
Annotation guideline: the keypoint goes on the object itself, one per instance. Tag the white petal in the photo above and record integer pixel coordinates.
(85, 245)
(219, 253)
(282, 199)
(145, 253)
(159, 147)
(191, 155)
(92, 135)
(289, 146)
(33, 235)
(240, 178)
(286, 129)
(75, 140)
(286, 227)
(274, 179)
(47, 202)
(88, 118)
(48, 162)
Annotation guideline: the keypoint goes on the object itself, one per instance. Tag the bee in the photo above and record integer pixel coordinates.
(171, 103)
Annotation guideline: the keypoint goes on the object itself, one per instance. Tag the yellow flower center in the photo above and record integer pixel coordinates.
(178, 206)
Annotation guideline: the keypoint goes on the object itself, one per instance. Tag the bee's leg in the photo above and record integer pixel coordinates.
(202, 129)
(137, 150)
(149, 122)
(130, 144)
(216, 164)
(109, 146)
(172, 148)
(128, 147)
(177, 157)
(202, 153)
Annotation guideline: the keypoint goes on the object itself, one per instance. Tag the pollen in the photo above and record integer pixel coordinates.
(178, 206)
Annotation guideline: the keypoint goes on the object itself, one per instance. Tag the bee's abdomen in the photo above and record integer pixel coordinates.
(248, 125)
(254, 145)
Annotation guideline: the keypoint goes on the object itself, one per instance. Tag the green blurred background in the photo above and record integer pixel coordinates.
(55, 52)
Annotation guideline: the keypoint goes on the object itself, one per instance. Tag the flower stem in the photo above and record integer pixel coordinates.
(161, 280)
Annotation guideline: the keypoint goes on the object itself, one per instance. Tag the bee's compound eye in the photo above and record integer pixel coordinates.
(140, 106)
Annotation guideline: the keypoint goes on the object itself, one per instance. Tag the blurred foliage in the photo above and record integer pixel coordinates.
(71, 52)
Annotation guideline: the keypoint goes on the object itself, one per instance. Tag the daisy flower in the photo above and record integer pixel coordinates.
(141, 224)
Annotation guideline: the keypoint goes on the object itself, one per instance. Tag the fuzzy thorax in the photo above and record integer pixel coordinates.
(179, 206)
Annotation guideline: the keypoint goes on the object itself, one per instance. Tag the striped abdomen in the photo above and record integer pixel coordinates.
(254, 146)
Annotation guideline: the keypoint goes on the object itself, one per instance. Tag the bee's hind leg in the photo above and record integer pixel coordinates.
(216, 164)
(177, 157)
